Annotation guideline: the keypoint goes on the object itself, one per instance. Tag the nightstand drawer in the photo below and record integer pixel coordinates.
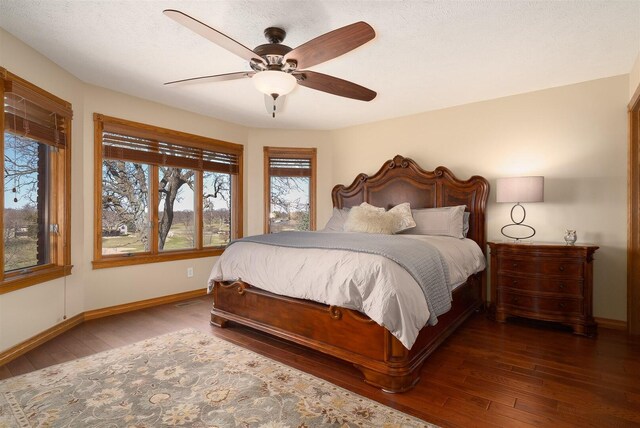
(541, 265)
(567, 287)
(538, 304)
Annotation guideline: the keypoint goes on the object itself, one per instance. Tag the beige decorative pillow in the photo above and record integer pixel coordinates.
(370, 207)
(405, 218)
(366, 218)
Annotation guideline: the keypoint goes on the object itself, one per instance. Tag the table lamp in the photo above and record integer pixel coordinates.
(519, 189)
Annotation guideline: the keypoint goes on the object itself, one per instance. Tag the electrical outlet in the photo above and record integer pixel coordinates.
(189, 272)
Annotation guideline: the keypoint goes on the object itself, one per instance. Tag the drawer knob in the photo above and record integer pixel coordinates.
(561, 286)
(561, 268)
(514, 282)
(514, 300)
(561, 305)
(515, 265)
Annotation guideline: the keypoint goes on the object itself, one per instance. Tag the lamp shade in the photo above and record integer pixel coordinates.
(274, 82)
(520, 189)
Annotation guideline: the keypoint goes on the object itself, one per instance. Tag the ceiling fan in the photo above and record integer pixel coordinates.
(277, 69)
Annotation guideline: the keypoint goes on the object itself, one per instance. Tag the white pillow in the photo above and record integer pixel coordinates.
(444, 221)
(366, 218)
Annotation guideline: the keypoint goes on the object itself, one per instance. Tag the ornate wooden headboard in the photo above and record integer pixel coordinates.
(401, 180)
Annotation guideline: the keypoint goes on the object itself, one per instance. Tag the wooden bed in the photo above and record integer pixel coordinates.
(348, 334)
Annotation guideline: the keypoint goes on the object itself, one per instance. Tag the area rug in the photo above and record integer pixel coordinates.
(189, 379)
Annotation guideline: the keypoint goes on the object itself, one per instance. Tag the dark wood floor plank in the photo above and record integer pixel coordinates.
(536, 407)
(84, 334)
(598, 417)
(76, 347)
(600, 379)
(481, 417)
(20, 365)
(5, 373)
(448, 392)
(487, 374)
(537, 419)
(48, 354)
(495, 394)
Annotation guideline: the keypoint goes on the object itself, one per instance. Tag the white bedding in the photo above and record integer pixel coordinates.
(369, 283)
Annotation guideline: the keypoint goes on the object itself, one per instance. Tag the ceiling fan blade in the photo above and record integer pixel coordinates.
(331, 45)
(274, 106)
(214, 35)
(214, 78)
(334, 85)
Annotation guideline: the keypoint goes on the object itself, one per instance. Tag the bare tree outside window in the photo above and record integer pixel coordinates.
(25, 195)
(126, 220)
(289, 203)
(176, 210)
(216, 209)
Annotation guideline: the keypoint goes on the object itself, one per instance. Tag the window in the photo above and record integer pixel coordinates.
(290, 189)
(36, 161)
(162, 194)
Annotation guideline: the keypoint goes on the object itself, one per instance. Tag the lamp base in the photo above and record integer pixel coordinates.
(518, 223)
(518, 238)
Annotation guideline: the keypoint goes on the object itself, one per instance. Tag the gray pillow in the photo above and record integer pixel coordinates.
(465, 223)
(441, 221)
(336, 222)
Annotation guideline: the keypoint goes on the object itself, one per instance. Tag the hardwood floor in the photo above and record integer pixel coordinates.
(486, 374)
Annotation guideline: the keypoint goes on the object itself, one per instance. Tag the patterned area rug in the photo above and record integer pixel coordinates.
(186, 378)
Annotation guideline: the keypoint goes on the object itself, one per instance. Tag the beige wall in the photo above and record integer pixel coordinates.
(634, 77)
(575, 136)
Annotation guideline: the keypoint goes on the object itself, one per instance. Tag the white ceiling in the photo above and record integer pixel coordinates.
(426, 55)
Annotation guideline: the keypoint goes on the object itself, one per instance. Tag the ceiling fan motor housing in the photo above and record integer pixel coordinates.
(275, 34)
(272, 52)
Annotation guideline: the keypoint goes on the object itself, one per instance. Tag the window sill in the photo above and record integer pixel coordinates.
(37, 276)
(116, 261)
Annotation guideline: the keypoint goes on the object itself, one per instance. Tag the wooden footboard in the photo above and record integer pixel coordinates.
(343, 333)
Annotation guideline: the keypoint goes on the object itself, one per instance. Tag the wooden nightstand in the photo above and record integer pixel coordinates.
(550, 282)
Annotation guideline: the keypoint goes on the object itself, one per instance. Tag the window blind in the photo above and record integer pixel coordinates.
(146, 150)
(288, 167)
(30, 114)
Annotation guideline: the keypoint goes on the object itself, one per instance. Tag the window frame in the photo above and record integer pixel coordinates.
(176, 138)
(59, 183)
(309, 153)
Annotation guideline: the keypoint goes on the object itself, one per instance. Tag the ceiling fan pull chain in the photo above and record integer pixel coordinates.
(275, 97)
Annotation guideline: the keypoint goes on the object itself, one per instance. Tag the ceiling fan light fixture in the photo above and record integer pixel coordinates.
(272, 82)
